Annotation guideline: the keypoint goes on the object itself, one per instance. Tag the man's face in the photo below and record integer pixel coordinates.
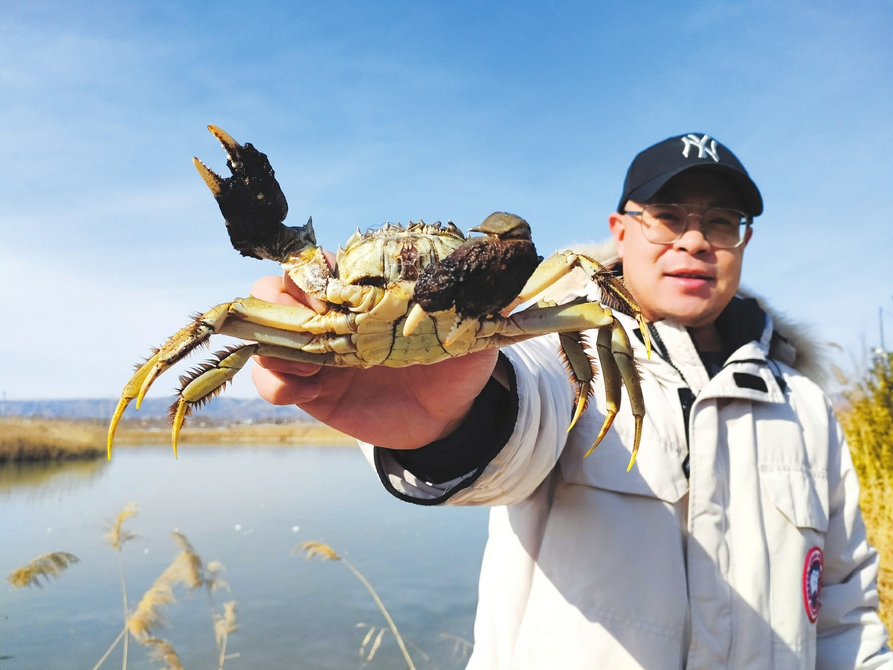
(688, 282)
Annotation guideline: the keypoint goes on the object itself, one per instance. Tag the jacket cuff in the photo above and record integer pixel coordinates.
(461, 456)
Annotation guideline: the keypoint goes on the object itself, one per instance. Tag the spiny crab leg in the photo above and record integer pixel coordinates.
(612, 384)
(131, 391)
(271, 323)
(561, 264)
(614, 349)
(208, 381)
(580, 369)
(210, 378)
(177, 347)
(622, 354)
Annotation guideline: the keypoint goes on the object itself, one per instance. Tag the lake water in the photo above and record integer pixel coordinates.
(248, 508)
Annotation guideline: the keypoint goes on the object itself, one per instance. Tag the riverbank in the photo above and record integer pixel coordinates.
(38, 439)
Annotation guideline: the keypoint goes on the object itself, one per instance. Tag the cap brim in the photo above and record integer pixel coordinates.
(749, 190)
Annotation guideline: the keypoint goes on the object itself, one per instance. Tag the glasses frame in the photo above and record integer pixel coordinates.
(748, 221)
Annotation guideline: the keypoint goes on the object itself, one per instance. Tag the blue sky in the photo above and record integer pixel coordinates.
(396, 110)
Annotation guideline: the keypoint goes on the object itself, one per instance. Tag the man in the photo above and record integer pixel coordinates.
(736, 539)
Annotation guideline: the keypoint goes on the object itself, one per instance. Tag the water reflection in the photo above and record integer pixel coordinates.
(247, 508)
(41, 476)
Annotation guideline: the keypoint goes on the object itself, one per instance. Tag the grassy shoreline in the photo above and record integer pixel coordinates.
(37, 439)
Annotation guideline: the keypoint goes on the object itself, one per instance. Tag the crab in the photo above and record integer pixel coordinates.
(371, 314)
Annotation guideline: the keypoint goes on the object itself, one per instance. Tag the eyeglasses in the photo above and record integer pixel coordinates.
(665, 224)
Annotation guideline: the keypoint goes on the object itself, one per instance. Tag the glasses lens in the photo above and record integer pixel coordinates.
(663, 224)
(723, 228)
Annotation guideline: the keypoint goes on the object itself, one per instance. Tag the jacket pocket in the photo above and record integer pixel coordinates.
(798, 492)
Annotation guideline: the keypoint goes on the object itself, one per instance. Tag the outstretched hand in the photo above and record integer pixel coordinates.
(399, 408)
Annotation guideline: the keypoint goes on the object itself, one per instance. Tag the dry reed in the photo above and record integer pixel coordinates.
(868, 425)
(214, 576)
(186, 569)
(149, 614)
(45, 567)
(461, 647)
(224, 625)
(313, 548)
(161, 650)
(25, 439)
(300, 433)
(117, 537)
(375, 644)
(37, 439)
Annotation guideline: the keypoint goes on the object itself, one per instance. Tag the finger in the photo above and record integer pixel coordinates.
(287, 367)
(296, 292)
(271, 290)
(283, 389)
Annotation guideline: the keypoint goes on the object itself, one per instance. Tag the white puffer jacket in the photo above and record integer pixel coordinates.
(588, 566)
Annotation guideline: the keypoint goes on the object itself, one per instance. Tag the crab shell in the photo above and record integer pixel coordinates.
(376, 271)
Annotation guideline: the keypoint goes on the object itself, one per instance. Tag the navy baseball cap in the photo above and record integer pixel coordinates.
(657, 164)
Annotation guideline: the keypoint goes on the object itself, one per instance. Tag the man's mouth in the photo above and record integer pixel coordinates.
(689, 275)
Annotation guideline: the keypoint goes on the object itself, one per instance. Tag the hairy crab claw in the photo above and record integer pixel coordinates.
(397, 296)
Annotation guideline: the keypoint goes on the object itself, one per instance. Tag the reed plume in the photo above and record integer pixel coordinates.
(313, 548)
(224, 625)
(46, 566)
(117, 538)
(192, 564)
(186, 569)
(115, 535)
(214, 576)
(161, 650)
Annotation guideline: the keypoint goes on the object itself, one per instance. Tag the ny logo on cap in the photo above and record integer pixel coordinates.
(692, 140)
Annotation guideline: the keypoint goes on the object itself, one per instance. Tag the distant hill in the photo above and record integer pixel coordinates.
(219, 409)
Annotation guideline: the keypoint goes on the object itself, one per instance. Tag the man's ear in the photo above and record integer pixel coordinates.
(617, 224)
(747, 236)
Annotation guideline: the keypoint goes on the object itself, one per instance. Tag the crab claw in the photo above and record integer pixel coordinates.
(212, 179)
(253, 204)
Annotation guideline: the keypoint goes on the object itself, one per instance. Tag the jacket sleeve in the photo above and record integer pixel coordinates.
(509, 472)
(849, 632)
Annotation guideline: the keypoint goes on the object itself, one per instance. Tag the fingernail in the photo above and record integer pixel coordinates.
(303, 369)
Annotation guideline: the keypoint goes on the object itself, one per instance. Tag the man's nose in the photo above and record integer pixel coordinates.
(693, 239)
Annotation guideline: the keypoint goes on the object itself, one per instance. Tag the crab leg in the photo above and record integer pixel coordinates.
(622, 354)
(209, 379)
(612, 384)
(205, 382)
(614, 348)
(195, 335)
(178, 346)
(579, 368)
(617, 363)
(563, 263)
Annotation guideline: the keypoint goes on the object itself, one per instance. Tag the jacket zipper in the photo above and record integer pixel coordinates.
(686, 397)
